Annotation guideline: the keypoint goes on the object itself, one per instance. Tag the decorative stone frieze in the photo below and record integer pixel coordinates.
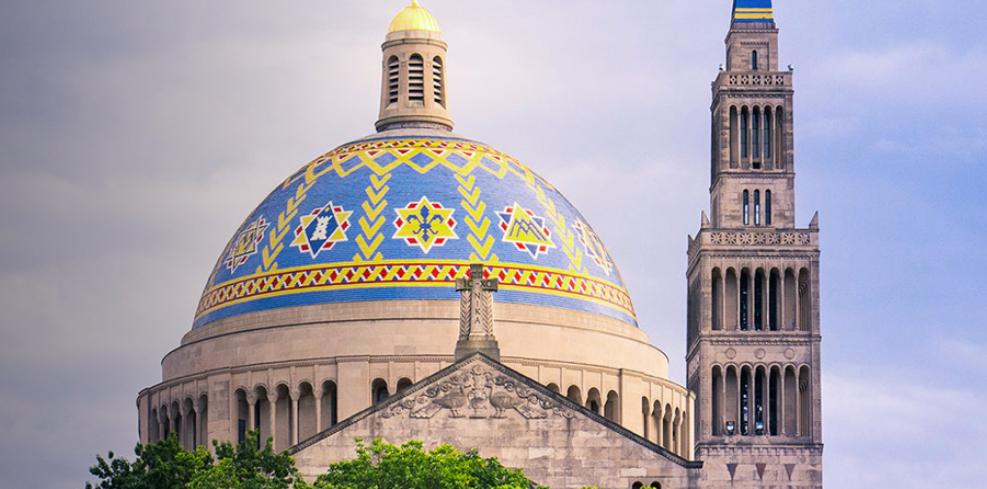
(477, 393)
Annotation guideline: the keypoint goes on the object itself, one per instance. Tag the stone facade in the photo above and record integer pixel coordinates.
(479, 403)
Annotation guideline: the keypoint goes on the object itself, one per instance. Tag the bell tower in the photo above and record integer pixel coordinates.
(753, 346)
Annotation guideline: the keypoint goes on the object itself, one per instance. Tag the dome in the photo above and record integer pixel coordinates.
(402, 214)
(414, 18)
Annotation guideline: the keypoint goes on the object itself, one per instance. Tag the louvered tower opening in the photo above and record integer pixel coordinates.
(416, 80)
(393, 76)
(437, 81)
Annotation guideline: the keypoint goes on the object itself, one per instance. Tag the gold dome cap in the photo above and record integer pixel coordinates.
(414, 18)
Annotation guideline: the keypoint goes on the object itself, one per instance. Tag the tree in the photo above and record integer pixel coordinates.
(166, 465)
(385, 466)
(161, 465)
(247, 467)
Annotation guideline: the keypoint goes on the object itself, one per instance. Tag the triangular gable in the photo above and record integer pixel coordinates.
(480, 403)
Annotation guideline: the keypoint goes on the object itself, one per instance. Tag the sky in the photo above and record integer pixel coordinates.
(136, 136)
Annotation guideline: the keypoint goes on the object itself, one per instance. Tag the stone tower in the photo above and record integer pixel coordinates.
(753, 280)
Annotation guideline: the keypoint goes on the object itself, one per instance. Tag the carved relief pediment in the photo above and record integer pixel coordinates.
(477, 392)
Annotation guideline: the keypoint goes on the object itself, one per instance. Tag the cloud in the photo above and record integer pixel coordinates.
(927, 73)
(886, 429)
(964, 353)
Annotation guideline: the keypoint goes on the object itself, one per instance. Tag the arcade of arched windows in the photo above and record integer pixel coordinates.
(292, 412)
(756, 137)
(187, 416)
(761, 400)
(761, 299)
(288, 414)
(665, 422)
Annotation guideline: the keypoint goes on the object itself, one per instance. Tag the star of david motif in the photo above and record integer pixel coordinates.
(321, 229)
(425, 224)
(594, 247)
(245, 244)
(526, 231)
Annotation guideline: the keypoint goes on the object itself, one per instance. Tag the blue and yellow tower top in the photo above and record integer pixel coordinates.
(753, 11)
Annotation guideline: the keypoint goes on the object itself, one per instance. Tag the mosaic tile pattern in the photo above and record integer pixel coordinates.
(402, 218)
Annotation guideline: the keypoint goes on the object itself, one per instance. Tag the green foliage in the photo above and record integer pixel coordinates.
(247, 467)
(385, 466)
(161, 465)
(166, 465)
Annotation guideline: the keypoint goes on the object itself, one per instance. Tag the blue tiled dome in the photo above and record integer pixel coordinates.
(401, 217)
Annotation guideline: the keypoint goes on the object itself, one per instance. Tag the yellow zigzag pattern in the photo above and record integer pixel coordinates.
(274, 245)
(346, 160)
(564, 233)
(373, 221)
(478, 224)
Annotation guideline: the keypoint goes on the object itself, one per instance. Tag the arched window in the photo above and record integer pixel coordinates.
(730, 296)
(780, 138)
(745, 401)
(757, 207)
(759, 407)
(767, 133)
(756, 137)
(655, 485)
(773, 286)
(743, 132)
(717, 299)
(789, 401)
(805, 308)
(805, 402)
(393, 79)
(759, 301)
(733, 137)
(329, 405)
(717, 401)
(747, 212)
(773, 401)
(378, 390)
(637, 485)
(611, 408)
(153, 426)
(767, 207)
(263, 411)
(574, 395)
(754, 60)
(593, 401)
(745, 280)
(416, 79)
(731, 390)
(666, 428)
(437, 81)
(307, 421)
(283, 419)
(403, 383)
